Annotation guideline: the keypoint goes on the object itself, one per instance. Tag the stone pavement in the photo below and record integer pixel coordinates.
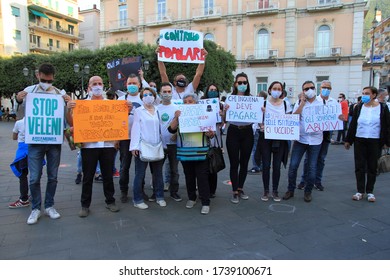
(332, 226)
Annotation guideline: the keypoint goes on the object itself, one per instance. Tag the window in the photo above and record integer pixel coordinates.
(17, 35)
(161, 9)
(323, 41)
(209, 36)
(324, 2)
(58, 44)
(70, 47)
(71, 29)
(122, 1)
(15, 11)
(261, 84)
(122, 15)
(58, 26)
(50, 4)
(319, 80)
(208, 7)
(50, 42)
(263, 4)
(70, 11)
(262, 43)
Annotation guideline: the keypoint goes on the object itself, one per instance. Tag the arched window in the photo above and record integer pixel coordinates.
(209, 36)
(262, 43)
(323, 41)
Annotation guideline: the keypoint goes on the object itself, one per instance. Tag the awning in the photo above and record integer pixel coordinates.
(39, 14)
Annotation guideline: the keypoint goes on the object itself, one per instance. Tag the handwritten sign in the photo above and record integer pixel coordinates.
(197, 118)
(119, 69)
(214, 102)
(100, 120)
(281, 126)
(179, 45)
(244, 108)
(322, 118)
(44, 119)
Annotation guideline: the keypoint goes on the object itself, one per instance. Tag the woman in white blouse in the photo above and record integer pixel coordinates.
(370, 131)
(146, 127)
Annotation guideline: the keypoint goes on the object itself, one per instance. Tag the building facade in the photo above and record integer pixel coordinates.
(38, 26)
(89, 28)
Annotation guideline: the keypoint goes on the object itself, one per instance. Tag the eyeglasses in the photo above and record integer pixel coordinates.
(46, 81)
(327, 88)
(148, 94)
(242, 82)
(306, 89)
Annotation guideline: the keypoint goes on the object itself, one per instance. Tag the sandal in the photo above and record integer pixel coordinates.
(357, 196)
(370, 197)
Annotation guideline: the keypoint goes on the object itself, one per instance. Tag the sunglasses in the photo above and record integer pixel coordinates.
(148, 94)
(306, 89)
(46, 81)
(242, 82)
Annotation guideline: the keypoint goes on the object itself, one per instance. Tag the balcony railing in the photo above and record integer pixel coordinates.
(207, 13)
(159, 18)
(120, 25)
(261, 54)
(261, 6)
(323, 4)
(58, 30)
(323, 52)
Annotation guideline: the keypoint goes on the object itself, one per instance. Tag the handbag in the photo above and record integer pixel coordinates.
(151, 152)
(384, 162)
(216, 160)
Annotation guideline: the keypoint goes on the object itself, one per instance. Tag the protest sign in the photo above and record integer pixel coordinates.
(44, 119)
(100, 120)
(197, 118)
(322, 118)
(281, 126)
(179, 45)
(119, 69)
(244, 108)
(214, 102)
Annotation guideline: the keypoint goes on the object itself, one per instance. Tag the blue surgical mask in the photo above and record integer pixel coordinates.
(132, 89)
(276, 93)
(242, 88)
(153, 88)
(366, 98)
(325, 92)
(212, 94)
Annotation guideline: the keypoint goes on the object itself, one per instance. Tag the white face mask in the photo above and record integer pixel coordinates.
(148, 100)
(44, 86)
(276, 94)
(97, 90)
(310, 93)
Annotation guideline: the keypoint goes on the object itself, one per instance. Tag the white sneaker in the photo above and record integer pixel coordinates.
(52, 213)
(34, 216)
(162, 203)
(205, 210)
(190, 204)
(141, 205)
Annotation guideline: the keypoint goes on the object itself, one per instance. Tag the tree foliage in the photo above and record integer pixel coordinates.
(219, 67)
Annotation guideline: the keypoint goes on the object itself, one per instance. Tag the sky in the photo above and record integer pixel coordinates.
(88, 4)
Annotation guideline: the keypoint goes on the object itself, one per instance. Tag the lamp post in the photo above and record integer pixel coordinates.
(146, 65)
(374, 24)
(83, 72)
(27, 72)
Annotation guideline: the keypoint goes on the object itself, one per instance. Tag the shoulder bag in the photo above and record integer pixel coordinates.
(215, 157)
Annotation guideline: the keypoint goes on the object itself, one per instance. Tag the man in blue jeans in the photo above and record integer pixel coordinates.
(38, 152)
(309, 142)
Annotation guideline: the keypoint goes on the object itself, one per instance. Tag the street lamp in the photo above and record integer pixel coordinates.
(85, 71)
(27, 71)
(374, 24)
(146, 65)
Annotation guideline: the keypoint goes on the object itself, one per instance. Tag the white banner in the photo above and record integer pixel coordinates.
(244, 108)
(322, 118)
(281, 127)
(214, 102)
(44, 119)
(197, 118)
(179, 45)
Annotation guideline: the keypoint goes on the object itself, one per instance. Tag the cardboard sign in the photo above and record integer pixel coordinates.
(100, 120)
(214, 102)
(281, 126)
(322, 118)
(179, 45)
(119, 69)
(44, 119)
(244, 108)
(197, 118)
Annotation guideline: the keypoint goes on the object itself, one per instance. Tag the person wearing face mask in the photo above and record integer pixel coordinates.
(277, 149)
(324, 97)
(309, 142)
(344, 109)
(180, 85)
(151, 85)
(38, 152)
(370, 132)
(146, 127)
(92, 153)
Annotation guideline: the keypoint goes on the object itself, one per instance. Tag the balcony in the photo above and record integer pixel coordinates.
(42, 6)
(322, 52)
(39, 48)
(259, 54)
(45, 28)
(262, 7)
(159, 19)
(211, 13)
(321, 5)
(122, 25)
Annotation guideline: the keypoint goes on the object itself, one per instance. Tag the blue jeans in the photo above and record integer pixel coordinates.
(36, 155)
(320, 164)
(298, 150)
(157, 177)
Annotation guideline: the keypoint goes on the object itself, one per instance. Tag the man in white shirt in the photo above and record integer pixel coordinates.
(309, 143)
(180, 85)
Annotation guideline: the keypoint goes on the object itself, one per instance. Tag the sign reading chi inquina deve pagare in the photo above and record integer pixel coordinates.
(44, 119)
(179, 45)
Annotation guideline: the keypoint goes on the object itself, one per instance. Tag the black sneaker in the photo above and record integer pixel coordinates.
(152, 198)
(78, 179)
(99, 178)
(319, 187)
(176, 197)
(301, 186)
